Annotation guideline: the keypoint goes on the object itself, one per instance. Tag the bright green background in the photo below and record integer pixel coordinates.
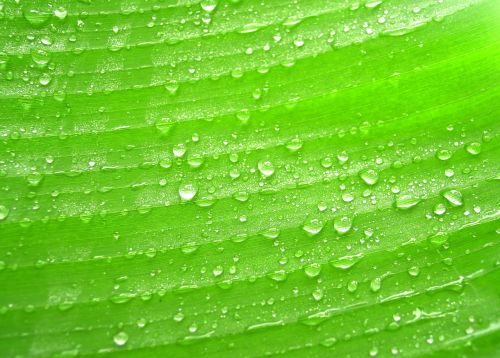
(282, 118)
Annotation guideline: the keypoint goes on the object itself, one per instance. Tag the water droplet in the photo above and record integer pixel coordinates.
(187, 191)
(326, 162)
(179, 317)
(278, 276)
(60, 13)
(375, 284)
(36, 17)
(343, 157)
(120, 338)
(195, 161)
(342, 224)
(294, 144)
(172, 86)
(266, 168)
(406, 201)
(373, 351)
(208, 5)
(271, 233)
(328, 342)
(4, 212)
(346, 262)
(40, 57)
(313, 226)
(473, 148)
(179, 150)
(414, 271)
(34, 179)
(454, 197)
(317, 294)
(439, 209)
(312, 270)
(45, 79)
(218, 270)
(443, 154)
(352, 286)
(369, 176)
(347, 197)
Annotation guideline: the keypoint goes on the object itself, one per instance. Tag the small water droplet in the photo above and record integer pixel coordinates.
(369, 176)
(313, 226)
(178, 317)
(443, 154)
(454, 197)
(266, 168)
(317, 294)
(352, 286)
(187, 191)
(218, 270)
(342, 224)
(473, 148)
(312, 270)
(414, 271)
(375, 284)
(294, 145)
(278, 276)
(406, 201)
(439, 209)
(120, 338)
(208, 5)
(4, 212)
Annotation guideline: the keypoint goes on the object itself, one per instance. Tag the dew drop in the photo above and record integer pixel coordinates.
(414, 271)
(342, 224)
(369, 176)
(443, 154)
(439, 209)
(352, 286)
(278, 276)
(294, 145)
(317, 294)
(266, 168)
(36, 17)
(312, 270)
(473, 148)
(406, 202)
(120, 338)
(454, 197)
(187, 191)
(208, 5)
(313, 226)
(375, 284)
(4, 212)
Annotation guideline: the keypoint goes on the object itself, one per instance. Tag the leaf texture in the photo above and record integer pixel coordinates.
(246, 178)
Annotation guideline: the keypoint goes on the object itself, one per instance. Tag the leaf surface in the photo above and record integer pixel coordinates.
(249, 178)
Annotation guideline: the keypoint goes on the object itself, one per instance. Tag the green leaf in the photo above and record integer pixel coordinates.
(240, 178)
